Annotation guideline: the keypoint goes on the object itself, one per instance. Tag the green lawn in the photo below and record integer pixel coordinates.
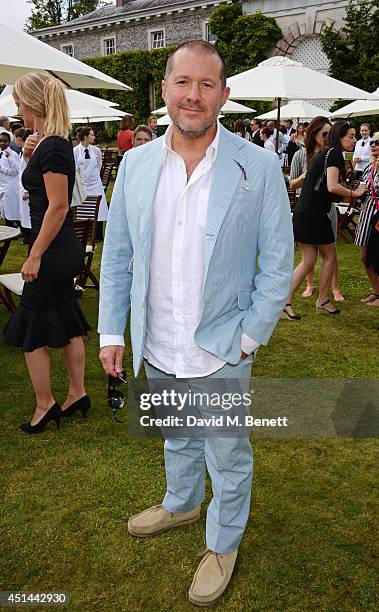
(67, 495)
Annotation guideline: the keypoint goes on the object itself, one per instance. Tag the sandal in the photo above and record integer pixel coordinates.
(287, 315)
(337, 295)
(371, 297)
(308, 292)
(321, 308)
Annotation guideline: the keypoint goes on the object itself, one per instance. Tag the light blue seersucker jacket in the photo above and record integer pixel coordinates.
(248, 248)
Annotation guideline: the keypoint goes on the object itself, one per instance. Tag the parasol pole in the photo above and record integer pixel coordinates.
(277, 126)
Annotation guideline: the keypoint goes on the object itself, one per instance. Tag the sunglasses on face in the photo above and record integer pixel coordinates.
(374, 143)
(324, 134)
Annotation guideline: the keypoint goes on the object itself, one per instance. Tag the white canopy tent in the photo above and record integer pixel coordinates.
(279, 77)
(82, 107)
(8, 89)
(296, 108)
(229, 107)
(359, 108)
(22, 53)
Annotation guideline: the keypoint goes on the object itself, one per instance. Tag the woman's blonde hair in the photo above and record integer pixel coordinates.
(45, 96)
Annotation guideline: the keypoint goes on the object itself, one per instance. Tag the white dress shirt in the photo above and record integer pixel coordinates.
(269, 145)
(362, 150)
(175, 294)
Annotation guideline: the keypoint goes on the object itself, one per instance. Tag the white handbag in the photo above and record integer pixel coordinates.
(79, 193)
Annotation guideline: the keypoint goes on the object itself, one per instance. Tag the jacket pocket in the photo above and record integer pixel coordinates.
(244, 299)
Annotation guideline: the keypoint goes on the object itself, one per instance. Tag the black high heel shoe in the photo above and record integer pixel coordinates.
(53, 414)
(83, 404)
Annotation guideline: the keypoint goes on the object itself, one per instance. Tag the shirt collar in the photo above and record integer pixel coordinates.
(210, 153)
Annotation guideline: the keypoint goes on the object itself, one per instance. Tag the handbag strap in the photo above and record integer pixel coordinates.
(373, 193)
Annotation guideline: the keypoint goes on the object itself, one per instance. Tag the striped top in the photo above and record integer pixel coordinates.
(368, 208)
(298, 164)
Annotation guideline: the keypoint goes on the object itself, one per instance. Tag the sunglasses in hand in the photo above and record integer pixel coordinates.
(116, 398)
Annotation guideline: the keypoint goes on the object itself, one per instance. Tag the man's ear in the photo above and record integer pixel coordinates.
(225, 95)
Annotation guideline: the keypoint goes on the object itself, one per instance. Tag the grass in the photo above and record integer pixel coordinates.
(310, 542)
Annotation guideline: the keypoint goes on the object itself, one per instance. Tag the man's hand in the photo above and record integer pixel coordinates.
(243, 356)
(111, 359)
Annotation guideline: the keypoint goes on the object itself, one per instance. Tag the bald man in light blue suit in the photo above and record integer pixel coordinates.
(243, 250)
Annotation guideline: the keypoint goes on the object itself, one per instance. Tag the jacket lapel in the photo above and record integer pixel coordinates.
(227, 174)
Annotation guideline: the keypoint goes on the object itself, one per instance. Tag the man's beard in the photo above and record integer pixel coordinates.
(190, 133)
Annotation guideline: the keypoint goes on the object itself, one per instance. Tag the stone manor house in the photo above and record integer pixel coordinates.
(154, 24)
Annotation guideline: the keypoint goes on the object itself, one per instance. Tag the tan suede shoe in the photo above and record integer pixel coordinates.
(211, 577)
(156, 519)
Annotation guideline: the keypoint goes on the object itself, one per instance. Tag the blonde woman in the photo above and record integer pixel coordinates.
(49, 315)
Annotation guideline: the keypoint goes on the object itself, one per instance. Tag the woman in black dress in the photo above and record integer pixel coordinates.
(49, 315)
(312, 227)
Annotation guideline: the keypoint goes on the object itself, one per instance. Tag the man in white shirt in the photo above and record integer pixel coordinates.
(362, 151)
(189, 214)
(5, 126)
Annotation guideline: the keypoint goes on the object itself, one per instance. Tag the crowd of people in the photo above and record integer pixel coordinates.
(197, 313)
(309, 150)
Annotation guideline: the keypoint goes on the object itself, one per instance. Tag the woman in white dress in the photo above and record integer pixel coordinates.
(20, 135)
(267, 142)
(88, 158)
(9, 186)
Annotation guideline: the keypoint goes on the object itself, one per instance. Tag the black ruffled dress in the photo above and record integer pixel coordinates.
(49, 314)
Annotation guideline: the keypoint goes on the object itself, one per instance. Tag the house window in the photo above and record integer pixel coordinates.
(157, 39)
(211, 38)
(109, 46)
(68, 49)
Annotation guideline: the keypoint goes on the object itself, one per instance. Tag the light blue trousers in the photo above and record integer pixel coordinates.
(229, 461)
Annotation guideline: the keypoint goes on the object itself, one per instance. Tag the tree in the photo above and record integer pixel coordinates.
(243, 40)
(353, 51)
(47, 13)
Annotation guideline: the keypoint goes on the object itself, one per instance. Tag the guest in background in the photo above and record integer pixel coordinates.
(366, 222)
(311, 222)
(5, 126)
(289, 127)
(299, 137)
(153, 125)
(14, 146)
(9, 187)
(240, 130)
(20, 136)
(49, 315)
(89, 160)
(255, 130)
(125, 135)
(142, 135)
(296, 142)
(362, 151)
(315, 141)
(266, 134)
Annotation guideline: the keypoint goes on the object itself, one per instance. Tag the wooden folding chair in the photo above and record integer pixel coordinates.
(110, 157)
(82, 230)
(10, 284)
(292, 197)
(346, 224)
(106, 175)
(88, 210)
